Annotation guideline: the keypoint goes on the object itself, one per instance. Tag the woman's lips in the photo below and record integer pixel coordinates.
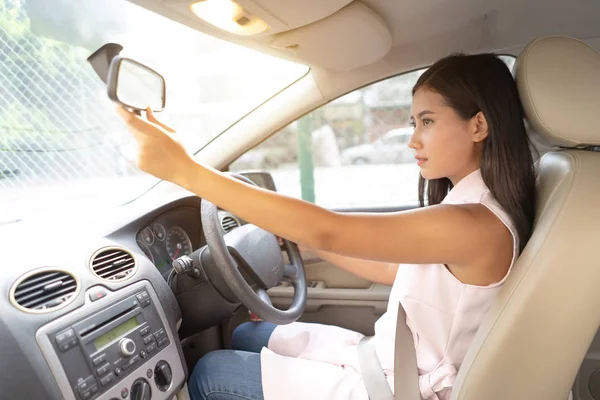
(421, 160)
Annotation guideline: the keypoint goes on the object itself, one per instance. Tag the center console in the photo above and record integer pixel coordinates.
(117, 346)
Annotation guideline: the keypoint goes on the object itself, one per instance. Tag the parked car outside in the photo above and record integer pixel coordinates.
(391, 148)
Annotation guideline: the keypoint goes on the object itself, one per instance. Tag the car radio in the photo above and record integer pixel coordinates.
(102, 349)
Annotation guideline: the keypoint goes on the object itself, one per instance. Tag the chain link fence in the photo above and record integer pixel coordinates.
(55, 122)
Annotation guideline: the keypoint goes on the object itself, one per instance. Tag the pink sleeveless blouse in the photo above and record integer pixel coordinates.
(315, 361)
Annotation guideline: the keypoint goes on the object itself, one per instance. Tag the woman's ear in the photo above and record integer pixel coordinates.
(480, 131)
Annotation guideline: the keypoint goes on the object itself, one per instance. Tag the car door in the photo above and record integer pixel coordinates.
(314, 171)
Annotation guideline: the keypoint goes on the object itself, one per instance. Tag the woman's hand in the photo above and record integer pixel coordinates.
(158, 152)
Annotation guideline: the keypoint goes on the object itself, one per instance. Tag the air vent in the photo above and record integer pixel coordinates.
(44, 291)
(229, 223)
(113, 264)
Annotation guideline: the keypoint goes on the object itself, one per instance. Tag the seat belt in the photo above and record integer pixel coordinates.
(372, 372)
(406, 379)
(406, 376)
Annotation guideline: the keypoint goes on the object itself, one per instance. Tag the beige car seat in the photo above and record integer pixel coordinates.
(535, 336)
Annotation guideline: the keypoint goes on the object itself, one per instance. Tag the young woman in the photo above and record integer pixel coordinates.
(446, 261)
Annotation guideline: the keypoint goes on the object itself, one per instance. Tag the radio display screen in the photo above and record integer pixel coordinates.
(115, 333)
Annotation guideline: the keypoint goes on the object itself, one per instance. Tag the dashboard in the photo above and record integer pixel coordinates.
(87, 313)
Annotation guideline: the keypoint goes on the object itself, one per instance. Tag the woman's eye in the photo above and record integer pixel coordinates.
(427, 121)
(413, 124)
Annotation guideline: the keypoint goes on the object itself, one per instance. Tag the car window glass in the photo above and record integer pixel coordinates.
(60, 138)
(397, 139)
(351, 152)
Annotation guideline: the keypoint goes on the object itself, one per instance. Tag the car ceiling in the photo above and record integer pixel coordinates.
(459, 25)
(420, 31)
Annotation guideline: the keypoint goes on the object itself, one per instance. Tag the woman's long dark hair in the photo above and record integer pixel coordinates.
(482, 82)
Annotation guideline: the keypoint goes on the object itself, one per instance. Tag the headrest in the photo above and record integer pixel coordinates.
(559, 84)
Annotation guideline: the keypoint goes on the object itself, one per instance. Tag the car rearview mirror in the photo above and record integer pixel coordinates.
(135, 85)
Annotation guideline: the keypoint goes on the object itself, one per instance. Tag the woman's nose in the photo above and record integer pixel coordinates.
(414, 141)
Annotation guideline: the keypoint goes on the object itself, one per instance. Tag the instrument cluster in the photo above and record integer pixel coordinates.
(170, 236)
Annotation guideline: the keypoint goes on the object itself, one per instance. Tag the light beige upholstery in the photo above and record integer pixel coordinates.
(565, 110)
(536, 334)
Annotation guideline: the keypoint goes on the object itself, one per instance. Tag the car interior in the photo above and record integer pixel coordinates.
(122, 300)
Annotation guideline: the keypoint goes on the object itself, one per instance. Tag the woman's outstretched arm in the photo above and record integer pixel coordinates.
(448, 234)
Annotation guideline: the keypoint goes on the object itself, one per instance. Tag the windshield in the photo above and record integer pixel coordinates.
(61, 144)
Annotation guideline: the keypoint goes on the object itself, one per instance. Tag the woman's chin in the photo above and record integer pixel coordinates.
(428, 174)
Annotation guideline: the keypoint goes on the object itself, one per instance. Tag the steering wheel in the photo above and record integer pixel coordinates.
(244, 263)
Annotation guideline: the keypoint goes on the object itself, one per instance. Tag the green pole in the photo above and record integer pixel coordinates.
(305, 158)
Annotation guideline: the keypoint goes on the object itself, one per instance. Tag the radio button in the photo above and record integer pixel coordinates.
(107, 379)
(151, 348)
(159, 333)
(67, 345)
(118, 371)
(65, 336)
(148, 339)
(162, 341)
(103, 369)
(145, 330)
(60, 338)
(99, 360)
(131, 362)
(143, 298)
(85, 387)
(66, 339)
(143, 354)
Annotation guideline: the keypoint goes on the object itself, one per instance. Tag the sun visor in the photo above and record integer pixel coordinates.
(352, 37)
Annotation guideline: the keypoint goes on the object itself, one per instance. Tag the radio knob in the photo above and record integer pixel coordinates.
(141, 390)
(127, 347)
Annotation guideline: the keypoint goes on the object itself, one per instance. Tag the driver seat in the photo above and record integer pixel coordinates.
(535, 335)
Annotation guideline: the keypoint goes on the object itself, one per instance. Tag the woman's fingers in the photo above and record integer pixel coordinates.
(158, 153)
(138, 123)
(134, 122)
(127, 115)
(152, 118)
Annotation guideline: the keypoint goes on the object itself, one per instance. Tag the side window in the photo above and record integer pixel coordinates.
(350, 152)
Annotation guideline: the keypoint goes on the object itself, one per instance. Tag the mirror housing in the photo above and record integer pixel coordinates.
(262, 179)
(135, 85)
(100, 59)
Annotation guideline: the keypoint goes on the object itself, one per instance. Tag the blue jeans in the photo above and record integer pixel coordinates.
(233, 374)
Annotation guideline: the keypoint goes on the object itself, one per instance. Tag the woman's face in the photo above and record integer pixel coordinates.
(445, 145)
